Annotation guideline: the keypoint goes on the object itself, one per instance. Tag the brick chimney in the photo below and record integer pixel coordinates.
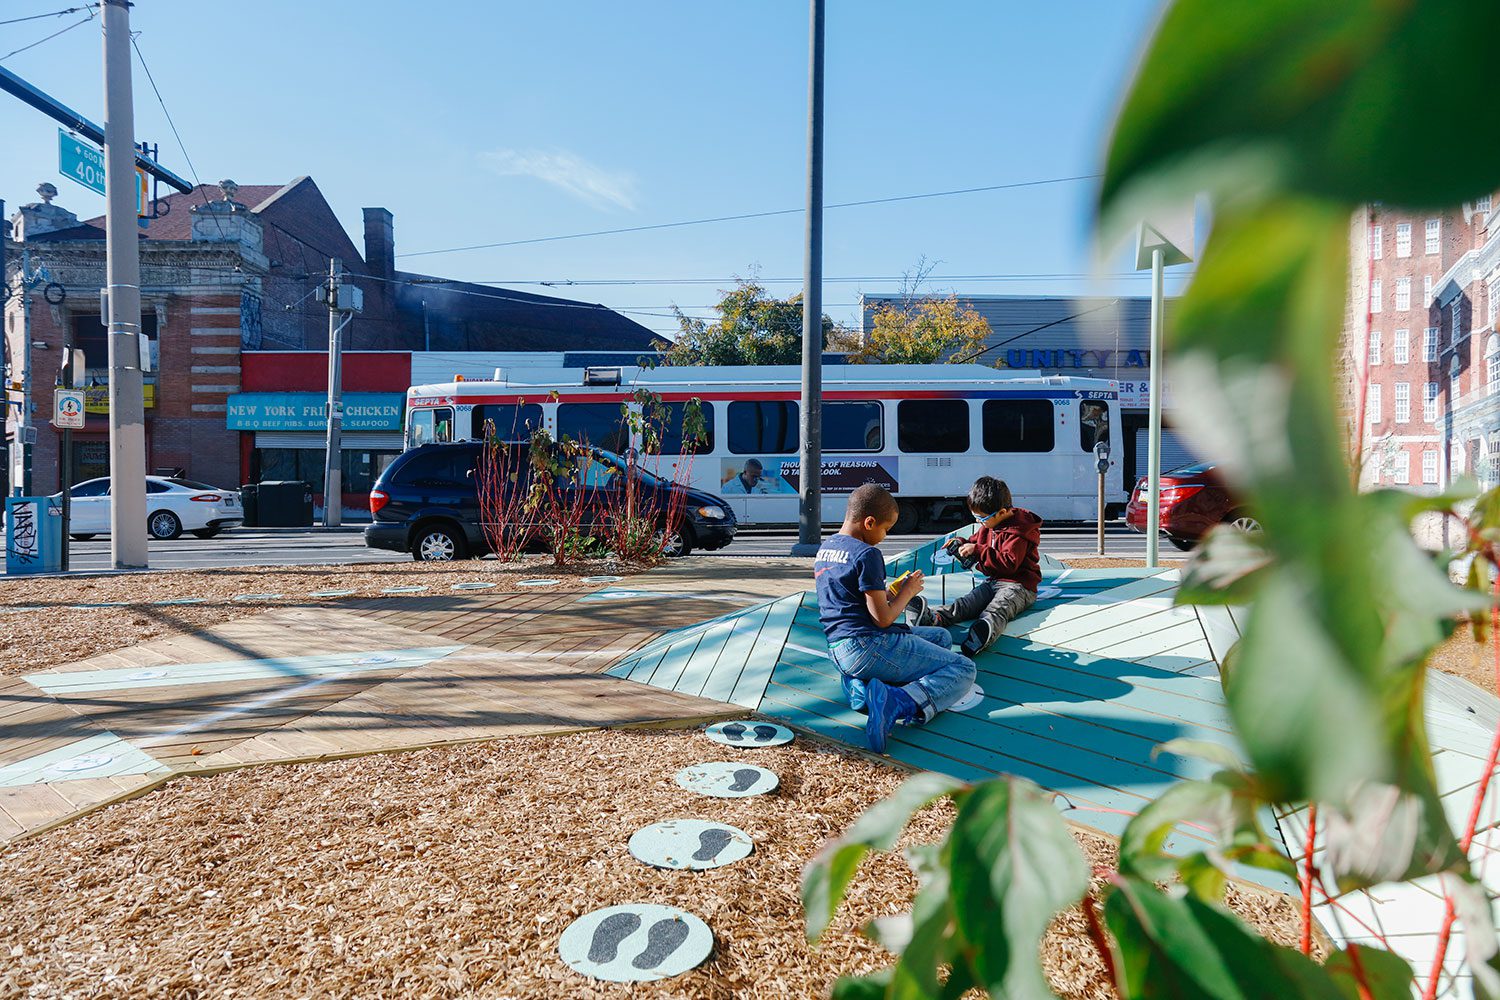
(380, 243)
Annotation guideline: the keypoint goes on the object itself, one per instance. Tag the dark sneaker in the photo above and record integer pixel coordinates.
(887, 706)
(918, 613)
(978, 640)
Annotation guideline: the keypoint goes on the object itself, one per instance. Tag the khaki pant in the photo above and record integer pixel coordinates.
(998, 602)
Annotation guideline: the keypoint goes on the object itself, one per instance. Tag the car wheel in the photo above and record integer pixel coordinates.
(81, 538)
(439, 544)
(164, 525)
(678, 543)
(1242, 521)
(206, 532)
(907, 518)
(1185, 544)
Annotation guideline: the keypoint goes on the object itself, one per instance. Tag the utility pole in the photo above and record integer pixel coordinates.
(127, 409)
(26, 432)
(333, 461)
(810, 512)
(1153, 418)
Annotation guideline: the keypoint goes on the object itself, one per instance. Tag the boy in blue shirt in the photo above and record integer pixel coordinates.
(909, 674)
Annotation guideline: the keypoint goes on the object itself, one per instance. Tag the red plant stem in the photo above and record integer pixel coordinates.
(1359, 972)
(1100, 939)
(1449, 912)
(1307, 879)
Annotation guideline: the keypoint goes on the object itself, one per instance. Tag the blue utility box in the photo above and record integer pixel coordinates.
(33, 535)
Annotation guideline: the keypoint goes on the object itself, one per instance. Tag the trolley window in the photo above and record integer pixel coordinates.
(511, 421)
(671, 417)
(932, 425)
(1093, 422)
(852, 426)
(601, 425)
(428, 426)
(766, 427)
(1019, 425)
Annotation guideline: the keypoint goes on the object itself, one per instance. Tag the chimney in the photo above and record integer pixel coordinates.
(380, 243)
(42, 216)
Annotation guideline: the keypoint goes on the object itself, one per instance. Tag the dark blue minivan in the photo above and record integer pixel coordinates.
(426, 502)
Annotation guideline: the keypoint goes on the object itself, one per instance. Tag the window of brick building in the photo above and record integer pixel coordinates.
(1403, 402)
(1377, 243)
(1372, 404)
(1434, 236)
(1426, 291)
(1456, 320)
(92, 337)
(1403, 239)
(1374, 347)
(1429, 468)
(1430, 343)
(1402, 467)
(1492, 364)
(1430, 403)
(1401, 347)
(1403, 294)
(1377, 292)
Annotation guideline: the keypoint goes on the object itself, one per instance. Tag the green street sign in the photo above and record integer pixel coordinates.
(78, 161)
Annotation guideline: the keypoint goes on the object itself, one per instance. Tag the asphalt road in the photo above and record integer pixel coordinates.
(306, 547)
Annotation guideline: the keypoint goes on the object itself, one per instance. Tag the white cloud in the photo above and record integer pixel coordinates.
(573, 174)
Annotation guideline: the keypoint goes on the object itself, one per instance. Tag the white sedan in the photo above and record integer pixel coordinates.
(172, 507)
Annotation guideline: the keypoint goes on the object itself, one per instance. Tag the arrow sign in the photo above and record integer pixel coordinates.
(84, 164)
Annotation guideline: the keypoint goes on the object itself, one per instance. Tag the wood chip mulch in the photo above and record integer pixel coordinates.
(59, 633)
(452, 872)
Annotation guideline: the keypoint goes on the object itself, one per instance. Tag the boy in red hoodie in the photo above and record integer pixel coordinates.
(1004, 549)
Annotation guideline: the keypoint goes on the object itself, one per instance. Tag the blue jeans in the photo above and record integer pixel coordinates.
(921, 662)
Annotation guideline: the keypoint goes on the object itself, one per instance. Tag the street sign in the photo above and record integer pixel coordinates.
(68, 409)
(81, 162)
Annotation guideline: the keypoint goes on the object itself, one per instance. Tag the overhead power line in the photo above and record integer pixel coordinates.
(197, 184)
(55, 13)
(754, 215)
(49, 38)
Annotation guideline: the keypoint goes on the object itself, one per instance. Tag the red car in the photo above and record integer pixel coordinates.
(1193, 500)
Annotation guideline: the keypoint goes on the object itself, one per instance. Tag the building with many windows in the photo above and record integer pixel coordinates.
(1421, 327)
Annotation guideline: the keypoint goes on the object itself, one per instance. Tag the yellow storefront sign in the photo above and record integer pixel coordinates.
(96, 398)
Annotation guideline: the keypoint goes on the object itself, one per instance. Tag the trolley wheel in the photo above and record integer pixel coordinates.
(907, 518)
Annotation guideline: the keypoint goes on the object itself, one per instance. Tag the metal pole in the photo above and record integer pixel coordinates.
(333, 460)
(27, 410)
(127, 409)
(810, 511)
(1153, 468)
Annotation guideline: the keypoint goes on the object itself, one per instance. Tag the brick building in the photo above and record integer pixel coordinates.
(1424, 359)
(232, 270)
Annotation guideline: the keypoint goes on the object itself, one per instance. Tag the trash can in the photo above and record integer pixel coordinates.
(249, 505)
(284, 504)
(33, 535)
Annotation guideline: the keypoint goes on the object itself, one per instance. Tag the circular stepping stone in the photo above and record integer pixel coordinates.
(749, 733)
(602, 579)
(727, 779)
(332, 593)
(545, 581)
(971, 699)
(1048, 592)
(405, 590)
(472, 586)
(180, 600)
(689, 843)
(258, 597)
(145, 675)
(635, 943)
(85, 762)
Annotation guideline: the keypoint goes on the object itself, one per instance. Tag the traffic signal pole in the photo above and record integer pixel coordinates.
(127, 408)
(810, 507)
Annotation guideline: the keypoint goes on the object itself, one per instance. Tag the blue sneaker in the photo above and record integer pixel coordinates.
(854, 692)
(887, 706)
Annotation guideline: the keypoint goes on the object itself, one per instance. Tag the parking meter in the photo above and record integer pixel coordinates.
(1101, 455)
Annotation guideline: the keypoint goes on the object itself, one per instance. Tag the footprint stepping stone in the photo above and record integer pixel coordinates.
(689, 843)
(727, 779)
(635, 942)
(749, 733)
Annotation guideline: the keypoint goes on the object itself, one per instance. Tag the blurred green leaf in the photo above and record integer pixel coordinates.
(1225, 569)
(1181, 948)
(1013, 866)
(827, 876)
(1214, 753)
(1388, 975)
(1335, 100)
(871, 987)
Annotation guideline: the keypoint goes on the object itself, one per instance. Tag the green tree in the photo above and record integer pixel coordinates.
(753, 328)
(921, 331)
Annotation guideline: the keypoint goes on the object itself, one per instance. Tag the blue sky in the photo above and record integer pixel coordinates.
(480, 122)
